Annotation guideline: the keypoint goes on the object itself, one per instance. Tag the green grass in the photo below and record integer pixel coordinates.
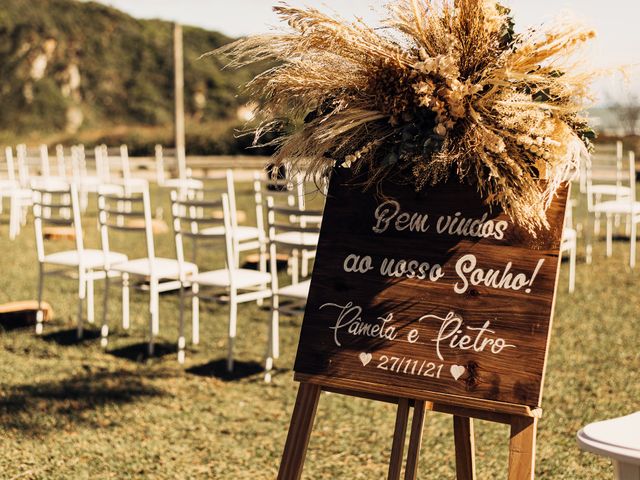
(71, 410)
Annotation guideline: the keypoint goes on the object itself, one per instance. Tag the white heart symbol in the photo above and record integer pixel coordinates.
(365, 358)
(457, 371)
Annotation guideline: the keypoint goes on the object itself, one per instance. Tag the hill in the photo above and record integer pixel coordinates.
(71, 69)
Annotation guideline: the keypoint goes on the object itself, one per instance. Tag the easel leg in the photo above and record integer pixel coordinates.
(522, 448)
(295, 449)
(415, 440)
(465, 448)
(399, 434)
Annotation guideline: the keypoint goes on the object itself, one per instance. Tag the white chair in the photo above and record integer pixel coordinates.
(291, 193)
(628, 208)
(245, 237)
(231, 284)
(87, 181)
(182, 184)
(130, 184)
(617, 439)
(289, 299)
(132, 213)
(570, 244)
(88, 265)
(607, 187)
(63, 161)
(34, 167)
(19, 197)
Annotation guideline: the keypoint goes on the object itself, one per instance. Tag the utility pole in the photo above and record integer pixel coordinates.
(178, 62)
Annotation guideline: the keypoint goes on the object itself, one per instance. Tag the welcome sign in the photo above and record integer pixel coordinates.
(430, 295)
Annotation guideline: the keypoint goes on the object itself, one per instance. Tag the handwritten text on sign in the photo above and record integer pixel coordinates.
(433, 292)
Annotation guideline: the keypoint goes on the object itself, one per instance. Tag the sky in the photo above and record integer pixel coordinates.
(616, 22)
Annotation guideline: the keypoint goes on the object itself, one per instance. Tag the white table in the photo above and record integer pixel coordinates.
(617, 439)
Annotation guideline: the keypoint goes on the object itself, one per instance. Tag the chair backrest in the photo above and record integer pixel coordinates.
(23, 159)
(62, 154)
(285, 230)
(160, 174)
(7, 168)
(130, 213)
(45, 170)
(60, 207)
(604, 167)
(103, 168)
(568, 215)
(285, 191)
(192, 217)
(293, 193)
(214, 187)
(78, 162)
(125, 164)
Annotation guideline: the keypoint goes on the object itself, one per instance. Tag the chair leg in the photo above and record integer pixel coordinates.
(268, 363)
(155, 294)
(90, 306)
(572, 269)
(14, 219)
(262, 266)
(596, 225)
(195, 314)
(609, 236)
(40, 313)
(295, 267)
(633, 239)
(263, 258)
(304, 267)
(82, 294)
(233, 318)
(125, 301)
(104, 330)
(236, 253)
(84, 201)
(181, 340)
(154, 321)
(275, 328)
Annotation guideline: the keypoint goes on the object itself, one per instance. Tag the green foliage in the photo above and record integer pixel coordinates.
(125, 67)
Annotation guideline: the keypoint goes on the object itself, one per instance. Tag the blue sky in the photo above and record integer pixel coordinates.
(616, 21)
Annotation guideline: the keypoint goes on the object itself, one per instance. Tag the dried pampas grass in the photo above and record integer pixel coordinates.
(447, 88)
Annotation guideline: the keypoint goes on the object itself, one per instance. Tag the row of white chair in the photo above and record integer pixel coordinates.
(89, 169)
(131, 212)
(616, 201)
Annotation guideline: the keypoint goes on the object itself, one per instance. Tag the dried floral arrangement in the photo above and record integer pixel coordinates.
(444, 88)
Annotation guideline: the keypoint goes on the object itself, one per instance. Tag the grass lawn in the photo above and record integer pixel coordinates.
(72, 410)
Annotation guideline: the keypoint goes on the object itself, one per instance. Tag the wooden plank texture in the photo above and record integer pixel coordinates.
(522, 448)
(399, 434)
(464, 314)
(415, 440)
(465, 448)
(295, 449)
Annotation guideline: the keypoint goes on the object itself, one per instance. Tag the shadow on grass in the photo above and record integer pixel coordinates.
(17, 321)
(139, 352)
(38, 408)
(218, 369)
(69, 337)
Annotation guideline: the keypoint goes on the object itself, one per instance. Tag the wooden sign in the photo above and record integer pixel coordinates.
(431, 296)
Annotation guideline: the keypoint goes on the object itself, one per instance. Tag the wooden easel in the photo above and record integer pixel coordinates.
(522, 442)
